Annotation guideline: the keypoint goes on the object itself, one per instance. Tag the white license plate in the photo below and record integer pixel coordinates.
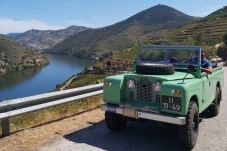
(171, 103)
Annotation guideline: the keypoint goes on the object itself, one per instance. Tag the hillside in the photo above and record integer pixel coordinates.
(210, 29)
(13, 56)
(44, 39)
(124, 34)
(207, 31)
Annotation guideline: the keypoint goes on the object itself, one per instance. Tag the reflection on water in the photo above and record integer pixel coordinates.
(40, 80)
(15, 77)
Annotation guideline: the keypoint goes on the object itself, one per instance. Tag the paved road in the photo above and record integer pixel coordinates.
(146, 136)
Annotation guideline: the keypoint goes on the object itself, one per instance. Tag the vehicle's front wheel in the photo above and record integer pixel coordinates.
(188, 133)
(214, 108)
(114, 121)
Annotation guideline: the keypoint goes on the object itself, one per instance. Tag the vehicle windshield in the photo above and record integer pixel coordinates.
(181, 55)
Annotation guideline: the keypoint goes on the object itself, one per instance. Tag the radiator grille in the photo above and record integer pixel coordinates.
(157, 98)
(131, 95)
(144, 90)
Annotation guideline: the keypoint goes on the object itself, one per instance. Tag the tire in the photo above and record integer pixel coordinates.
(188, 133)
(114, 121)
(155, 69)
(214, 108)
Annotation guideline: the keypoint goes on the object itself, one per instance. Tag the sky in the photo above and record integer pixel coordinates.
(17, 16)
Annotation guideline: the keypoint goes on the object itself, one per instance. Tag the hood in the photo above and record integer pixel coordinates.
(175, 76)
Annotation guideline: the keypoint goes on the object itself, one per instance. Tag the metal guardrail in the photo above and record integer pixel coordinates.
(11, 108)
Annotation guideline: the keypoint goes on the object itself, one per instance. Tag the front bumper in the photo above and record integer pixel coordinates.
(136, 113)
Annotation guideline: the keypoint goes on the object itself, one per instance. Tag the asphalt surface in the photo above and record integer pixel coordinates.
(148, 136)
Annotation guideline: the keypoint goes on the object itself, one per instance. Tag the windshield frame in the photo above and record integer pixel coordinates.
(169, 48)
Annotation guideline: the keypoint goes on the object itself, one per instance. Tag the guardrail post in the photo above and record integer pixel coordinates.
(5, 127)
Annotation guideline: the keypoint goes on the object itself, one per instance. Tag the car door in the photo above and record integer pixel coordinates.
(208, 94)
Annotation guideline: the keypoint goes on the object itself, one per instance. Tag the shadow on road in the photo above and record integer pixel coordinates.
(205, 115)
(137, 136)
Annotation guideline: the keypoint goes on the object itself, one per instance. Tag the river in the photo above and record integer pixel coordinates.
(29, 82)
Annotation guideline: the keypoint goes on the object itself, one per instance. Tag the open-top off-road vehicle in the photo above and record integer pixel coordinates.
(166, 85)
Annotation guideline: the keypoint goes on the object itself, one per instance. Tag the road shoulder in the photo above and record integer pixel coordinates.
(39, 136)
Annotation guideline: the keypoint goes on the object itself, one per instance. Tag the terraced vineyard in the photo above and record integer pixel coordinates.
(212, 28)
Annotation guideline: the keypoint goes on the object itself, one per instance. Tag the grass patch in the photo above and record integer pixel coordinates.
(54, 113)
(130, 53)
(84, 79)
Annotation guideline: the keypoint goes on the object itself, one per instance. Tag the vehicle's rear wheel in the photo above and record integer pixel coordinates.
(188, 133)
(214, 108)
(114, 121)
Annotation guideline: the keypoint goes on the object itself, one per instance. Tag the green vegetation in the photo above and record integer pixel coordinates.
(225, 39)
(13, 56)
(11, 51)
(222, 49)
(84, 79)
(130, 53)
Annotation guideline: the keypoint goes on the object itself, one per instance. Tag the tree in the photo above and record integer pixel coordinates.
(222, 52)
(188, 41)
(198, 38)
(225, 38)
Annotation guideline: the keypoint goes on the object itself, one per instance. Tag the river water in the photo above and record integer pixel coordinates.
(29, 82)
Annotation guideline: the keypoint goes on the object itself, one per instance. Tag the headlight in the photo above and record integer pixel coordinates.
(157, 86)
(108, 84)
(131, 84)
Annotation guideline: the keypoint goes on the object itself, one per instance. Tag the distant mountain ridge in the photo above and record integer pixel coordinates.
(44, 39)
(124, 34)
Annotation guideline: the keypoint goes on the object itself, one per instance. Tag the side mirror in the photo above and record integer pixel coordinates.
(192, 68)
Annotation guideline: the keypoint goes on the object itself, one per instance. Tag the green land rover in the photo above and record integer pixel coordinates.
(166, 85)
